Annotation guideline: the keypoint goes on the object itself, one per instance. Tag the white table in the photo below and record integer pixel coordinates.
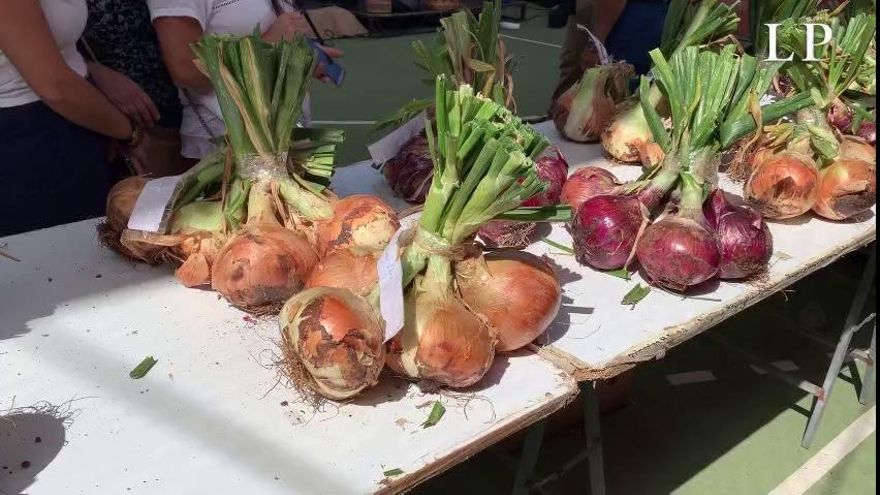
(208, 418)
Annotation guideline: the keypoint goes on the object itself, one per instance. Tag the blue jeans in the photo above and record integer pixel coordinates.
(637, 32)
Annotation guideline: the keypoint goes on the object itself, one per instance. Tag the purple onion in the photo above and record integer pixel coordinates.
(868, 132)
(743, 238)
(586, 183)
(678, 252)
(841, 117)
(604, 230)
(410, 172)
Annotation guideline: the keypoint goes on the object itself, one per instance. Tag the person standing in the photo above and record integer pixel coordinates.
(55, 125)
(180, 23)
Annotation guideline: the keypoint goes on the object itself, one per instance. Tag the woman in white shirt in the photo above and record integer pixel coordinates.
(54, 125)
(180, 23)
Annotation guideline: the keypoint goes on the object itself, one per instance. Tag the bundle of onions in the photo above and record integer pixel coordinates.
(469, 51)
(687, 24)
(583, 111)
(743, 238)
(512, 234)
(260, 88)
(585, 183)
(332, 342)
(682, 249)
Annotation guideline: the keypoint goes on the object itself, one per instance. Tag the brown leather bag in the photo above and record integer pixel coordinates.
(158, 154)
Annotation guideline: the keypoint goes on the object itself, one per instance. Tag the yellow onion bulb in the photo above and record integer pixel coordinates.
(847, 187)
(856, 148)
(336, 337)
(262, 266)
(120, 204)
(627, 133)
(516, 292)
(441, 341)
(783, 186)
(198, 252)
(360, 221)
(346, 269)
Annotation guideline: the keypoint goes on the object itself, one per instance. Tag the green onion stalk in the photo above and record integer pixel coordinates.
(483, 158)
(687, 24)
(798, 165)
(275, 206)
(468, 50)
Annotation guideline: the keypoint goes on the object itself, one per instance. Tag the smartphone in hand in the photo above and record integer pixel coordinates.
(333, 70)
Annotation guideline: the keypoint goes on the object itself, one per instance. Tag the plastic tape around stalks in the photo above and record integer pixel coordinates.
(263, 166)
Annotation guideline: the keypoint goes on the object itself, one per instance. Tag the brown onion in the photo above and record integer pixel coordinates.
(517, 293)
(857, 148)
(360, 221)
(441, 341)
(120, 204)
(336, 337)
(346, 269)
(847, 187)
(627, 132)
(585, 183)
(783, 186)
(263, 265)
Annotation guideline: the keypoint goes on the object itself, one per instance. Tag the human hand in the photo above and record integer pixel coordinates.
(319, 68)
(125, 95)
(285, 26)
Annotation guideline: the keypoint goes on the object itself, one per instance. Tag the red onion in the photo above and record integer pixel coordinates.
(743, 238)
(679, 250)
(586, 183)
(500, 233)
(410, 172)
(604, 230)
(868, 132)
(841, 117)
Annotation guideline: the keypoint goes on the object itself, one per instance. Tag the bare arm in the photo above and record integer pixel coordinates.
(26, 40)
(607, 14)
(175, 35)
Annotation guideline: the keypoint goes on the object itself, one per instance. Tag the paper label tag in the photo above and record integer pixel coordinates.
(149, 214)
(391, 280)
(387, 148)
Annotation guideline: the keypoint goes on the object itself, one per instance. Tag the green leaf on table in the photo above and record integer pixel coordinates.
(393, 472)
(142, 369)
(561, 247)
(621, 273)
(637, 293)
(436, 415)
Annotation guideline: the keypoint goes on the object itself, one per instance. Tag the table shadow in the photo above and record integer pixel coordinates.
(30, 438)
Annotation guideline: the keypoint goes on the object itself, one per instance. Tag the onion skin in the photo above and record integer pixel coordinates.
(745, 244)
(847, 187)
(868, 132)
(346, 269)
(857, 148)
(507, 234)
(841, 117)
(678, 252)
(441, 341)
(588, 125)
(585, 183)
(198, 252)
(358, 221)
(783, 186)
(491, 286)
(337, 337)
(264, 264)
(410, 172)
(604, 230)
(120, 204)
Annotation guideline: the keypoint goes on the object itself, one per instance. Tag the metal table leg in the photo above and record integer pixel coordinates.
(592, 429)
(840, 352)
(866, 396)
(529, 457)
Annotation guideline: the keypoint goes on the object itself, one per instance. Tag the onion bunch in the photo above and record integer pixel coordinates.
(688, 23)
(466, 51)
(456, 304)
